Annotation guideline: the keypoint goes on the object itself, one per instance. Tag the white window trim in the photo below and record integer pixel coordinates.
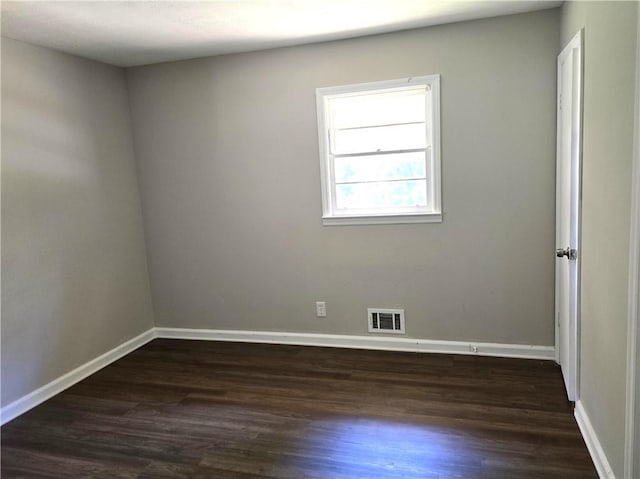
(331, 218)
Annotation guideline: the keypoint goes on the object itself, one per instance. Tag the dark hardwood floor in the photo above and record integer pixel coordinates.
(194, 409)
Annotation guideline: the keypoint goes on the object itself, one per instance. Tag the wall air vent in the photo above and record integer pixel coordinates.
(386, 320)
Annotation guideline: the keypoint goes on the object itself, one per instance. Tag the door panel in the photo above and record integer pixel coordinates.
(568, 160)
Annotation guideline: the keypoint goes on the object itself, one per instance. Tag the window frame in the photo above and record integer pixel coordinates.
(330, 216)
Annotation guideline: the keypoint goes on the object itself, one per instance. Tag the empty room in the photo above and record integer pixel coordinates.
(327, 239)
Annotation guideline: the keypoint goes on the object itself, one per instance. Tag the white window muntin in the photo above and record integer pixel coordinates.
(332, 213)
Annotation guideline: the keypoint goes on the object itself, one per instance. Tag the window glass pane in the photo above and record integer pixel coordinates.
(385, 138)
(379, 108)
(380, 167)
(384, 194)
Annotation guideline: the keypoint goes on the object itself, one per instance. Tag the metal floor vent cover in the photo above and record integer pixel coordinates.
(386, 320)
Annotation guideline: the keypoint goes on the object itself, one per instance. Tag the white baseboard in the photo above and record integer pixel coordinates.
(31, 400)
(593, 444)
(363, 342)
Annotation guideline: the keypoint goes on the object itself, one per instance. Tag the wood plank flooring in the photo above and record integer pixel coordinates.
(196, 409)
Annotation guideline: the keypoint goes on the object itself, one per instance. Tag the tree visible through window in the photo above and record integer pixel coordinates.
(380, 152)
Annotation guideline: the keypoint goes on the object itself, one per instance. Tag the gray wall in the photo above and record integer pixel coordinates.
(228, 163)
(75, 280)
(609, 82)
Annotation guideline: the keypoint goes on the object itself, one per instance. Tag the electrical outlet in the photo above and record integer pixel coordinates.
(321, 309)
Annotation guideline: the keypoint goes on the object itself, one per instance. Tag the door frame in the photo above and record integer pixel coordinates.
(575, 44)
(632, 413)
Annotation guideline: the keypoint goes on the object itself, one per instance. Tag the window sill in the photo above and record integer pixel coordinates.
(382, 219)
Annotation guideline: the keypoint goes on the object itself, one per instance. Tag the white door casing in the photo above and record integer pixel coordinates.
(632, 430)
(568, 197)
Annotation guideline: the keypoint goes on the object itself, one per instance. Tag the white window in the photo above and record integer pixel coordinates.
(380, 151)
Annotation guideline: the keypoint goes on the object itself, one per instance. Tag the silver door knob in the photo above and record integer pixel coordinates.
(570, 253)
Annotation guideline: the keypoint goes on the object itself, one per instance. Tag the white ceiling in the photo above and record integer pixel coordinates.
(128, 33)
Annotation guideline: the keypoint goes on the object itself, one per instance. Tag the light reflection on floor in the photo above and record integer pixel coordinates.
(357, 447)
(343, 447)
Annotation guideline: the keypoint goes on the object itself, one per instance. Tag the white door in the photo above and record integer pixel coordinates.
(568, 161)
